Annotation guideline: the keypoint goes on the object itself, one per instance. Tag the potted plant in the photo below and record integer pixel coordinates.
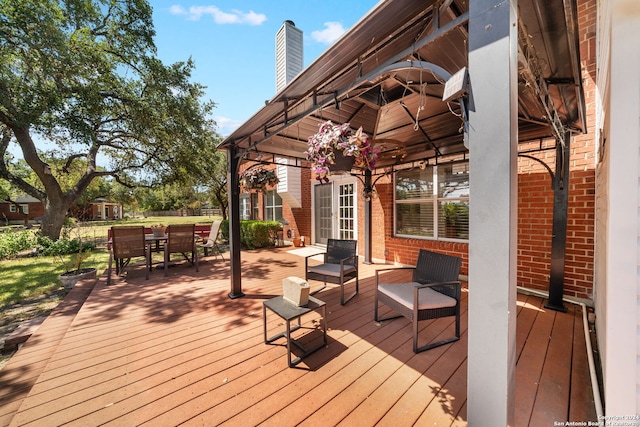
(79, 251)
(257, 178)
(158, 230)
(333, 142)
(73, 269)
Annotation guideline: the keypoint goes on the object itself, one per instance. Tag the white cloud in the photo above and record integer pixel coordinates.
(331, 33)
(226, 125)
(219, 17)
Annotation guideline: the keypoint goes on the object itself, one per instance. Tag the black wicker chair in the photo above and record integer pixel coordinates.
(434, 292)
(340, 266)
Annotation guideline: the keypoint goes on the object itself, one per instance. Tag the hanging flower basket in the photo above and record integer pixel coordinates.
(333, 142)
(341, 163)
(258, 178)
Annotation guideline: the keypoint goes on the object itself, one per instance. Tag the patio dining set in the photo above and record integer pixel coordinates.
(127, 242)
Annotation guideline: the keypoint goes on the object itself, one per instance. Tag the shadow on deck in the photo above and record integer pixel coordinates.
(177, 350)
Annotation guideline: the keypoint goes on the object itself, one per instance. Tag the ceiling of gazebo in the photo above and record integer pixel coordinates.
(387, 75)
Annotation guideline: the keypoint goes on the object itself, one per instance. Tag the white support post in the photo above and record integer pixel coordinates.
(620, 340)
(492, 136)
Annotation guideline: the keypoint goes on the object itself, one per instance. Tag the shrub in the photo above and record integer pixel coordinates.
(48, 247)
(254, 233)
(13, 242)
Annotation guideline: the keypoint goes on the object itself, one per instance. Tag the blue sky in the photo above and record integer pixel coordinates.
(233, 44)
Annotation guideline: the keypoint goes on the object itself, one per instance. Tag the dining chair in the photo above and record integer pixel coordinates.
(212, 240)
(127, 242)
(181, 238)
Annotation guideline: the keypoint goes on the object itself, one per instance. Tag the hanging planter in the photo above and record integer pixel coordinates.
(333, 143)
(258, 178)
(341, 163)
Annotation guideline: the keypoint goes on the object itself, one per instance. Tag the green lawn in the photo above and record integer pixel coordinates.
(25, 278)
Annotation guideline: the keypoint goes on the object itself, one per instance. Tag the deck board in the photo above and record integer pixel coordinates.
(177, 350)
(552, 400)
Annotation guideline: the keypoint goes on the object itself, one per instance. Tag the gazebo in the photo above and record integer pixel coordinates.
(429, 80)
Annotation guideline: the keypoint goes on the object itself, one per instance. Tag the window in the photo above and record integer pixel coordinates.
(272, 206)
(12, 208)
(433, 202)
(24, 209)
(255, 207)
(245, 209)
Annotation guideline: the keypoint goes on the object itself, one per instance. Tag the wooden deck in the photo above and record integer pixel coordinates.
(177, 350)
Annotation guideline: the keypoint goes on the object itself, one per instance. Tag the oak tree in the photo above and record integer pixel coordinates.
(84, 76)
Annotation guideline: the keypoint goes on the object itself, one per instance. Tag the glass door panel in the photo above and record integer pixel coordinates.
(323, 218)
(335, 215)
(346, 211)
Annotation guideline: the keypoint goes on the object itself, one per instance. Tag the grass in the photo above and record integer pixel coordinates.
(25, 278)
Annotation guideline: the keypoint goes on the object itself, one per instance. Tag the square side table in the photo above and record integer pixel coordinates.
(289, 312)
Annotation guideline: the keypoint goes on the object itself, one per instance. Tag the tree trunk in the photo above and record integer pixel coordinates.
(223, 203)
(55, 213)
(56, 201)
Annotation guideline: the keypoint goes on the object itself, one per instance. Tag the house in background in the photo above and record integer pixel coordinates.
(99, 209)
(27, 209)
(22, 210)
(540, 162)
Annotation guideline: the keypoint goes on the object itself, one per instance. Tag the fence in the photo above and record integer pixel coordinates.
(185, 212)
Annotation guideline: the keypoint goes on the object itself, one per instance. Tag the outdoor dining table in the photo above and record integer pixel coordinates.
(151, 238)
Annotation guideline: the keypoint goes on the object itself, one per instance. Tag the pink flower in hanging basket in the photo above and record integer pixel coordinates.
(334, 137)
(257, 178)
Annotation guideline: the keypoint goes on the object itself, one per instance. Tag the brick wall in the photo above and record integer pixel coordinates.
(300, 218)
(535, 204)
(535, 220)
(400, 250)
(36, 209)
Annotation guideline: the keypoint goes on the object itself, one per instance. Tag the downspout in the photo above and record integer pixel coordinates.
(587, 338)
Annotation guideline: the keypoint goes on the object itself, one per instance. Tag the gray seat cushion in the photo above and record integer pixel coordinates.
(331, 269)
(428, 298)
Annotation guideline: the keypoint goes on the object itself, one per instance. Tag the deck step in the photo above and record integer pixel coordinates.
(22, 333)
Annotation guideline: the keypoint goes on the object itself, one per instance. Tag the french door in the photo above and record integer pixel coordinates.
(334, 210)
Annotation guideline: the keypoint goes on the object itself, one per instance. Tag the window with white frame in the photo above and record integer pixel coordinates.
(433, 203)
(245, 207)
(255, 207)
(272, 206)
(12, 208)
